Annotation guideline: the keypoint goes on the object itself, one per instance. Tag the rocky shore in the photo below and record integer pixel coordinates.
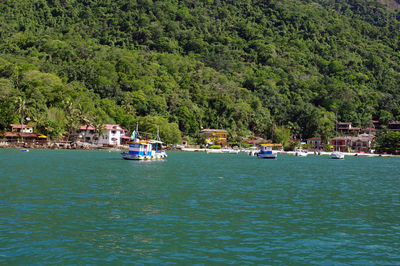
(59, 145)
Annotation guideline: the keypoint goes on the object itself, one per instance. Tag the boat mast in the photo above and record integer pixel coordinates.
(158, 128)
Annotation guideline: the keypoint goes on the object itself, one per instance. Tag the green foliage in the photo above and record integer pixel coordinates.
(281, 135)
(168, 132)
(388, 142)
(291, 145)
(238, 65)
(216, 147)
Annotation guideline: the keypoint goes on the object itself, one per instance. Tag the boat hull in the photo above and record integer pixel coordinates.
(337, 155)
(267, 156)
(157, 156)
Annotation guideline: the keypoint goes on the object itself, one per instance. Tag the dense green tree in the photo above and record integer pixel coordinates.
(238, 65)
(389, 142)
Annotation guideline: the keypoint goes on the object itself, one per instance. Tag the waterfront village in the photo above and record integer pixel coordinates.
(112, 136)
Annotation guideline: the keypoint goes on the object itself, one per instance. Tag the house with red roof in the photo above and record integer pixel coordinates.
(110, 134)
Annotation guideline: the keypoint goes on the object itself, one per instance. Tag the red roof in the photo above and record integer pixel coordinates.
(315, 138)
(20, 126)
(86, 127)
(114, 127)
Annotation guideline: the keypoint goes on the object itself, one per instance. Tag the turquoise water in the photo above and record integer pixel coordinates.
(91, 207)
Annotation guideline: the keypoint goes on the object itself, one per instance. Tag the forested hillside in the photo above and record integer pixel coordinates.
(249, 66)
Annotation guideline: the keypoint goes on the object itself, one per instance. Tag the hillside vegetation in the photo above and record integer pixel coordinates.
(251, 67)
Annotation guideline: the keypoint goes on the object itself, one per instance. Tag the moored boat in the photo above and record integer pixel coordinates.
(300, 153)
(266, 152)
(144, 149)
(337, 155)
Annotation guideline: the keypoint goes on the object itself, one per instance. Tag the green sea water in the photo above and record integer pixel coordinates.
(92, 207)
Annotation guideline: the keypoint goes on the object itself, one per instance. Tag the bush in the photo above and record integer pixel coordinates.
(327, 148)
(215, 147)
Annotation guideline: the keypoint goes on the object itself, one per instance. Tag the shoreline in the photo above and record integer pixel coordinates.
(60, 146)
(87, 146)
(322, 153)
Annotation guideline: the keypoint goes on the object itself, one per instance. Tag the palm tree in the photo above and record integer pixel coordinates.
(72, 119)
(98, 128)
(21, 110)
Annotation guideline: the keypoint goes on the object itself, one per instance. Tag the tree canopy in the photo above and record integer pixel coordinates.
(251, 66)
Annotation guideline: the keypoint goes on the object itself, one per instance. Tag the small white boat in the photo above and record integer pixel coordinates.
(230, 151)
(337, 155)
(266, 152)
(213, 150)
(300, 153)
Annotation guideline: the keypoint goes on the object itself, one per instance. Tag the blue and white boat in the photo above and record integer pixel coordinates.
(144, 149)
(266, 152)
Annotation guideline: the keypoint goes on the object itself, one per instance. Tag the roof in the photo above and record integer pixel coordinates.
(314, 138)
(17, 135)
(394, 123)
(270, 145)
(345, 123)
(113, 127)
(339, 138)
(208, 130)
(86, 127)
(107, 126)
(20, 126)
(255, 140)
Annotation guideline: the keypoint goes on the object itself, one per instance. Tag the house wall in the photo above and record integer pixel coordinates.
(111, 137)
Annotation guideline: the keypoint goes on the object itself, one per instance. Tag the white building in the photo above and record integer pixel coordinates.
(109, 135)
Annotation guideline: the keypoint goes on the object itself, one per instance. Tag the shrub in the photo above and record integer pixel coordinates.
(215, 147)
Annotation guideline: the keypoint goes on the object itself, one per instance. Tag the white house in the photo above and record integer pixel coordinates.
(110, 135)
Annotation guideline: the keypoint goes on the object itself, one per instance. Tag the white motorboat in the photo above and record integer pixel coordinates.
(337, 155)
(300, 153)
